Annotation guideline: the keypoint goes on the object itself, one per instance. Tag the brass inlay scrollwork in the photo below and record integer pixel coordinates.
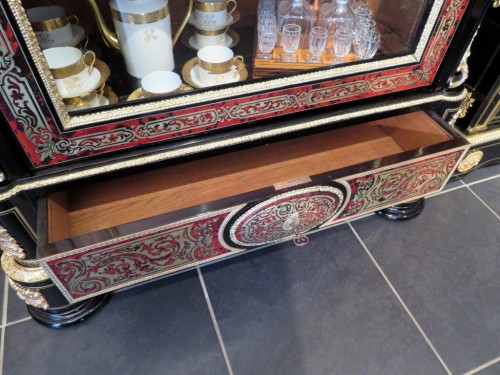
(470, 161)
(30, 297)
(9, 245)
(20, 273)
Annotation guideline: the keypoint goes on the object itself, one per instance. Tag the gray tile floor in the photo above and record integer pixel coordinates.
(366, 297)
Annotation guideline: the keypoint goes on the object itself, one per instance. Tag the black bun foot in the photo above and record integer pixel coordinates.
(404, 211)
(68, 315)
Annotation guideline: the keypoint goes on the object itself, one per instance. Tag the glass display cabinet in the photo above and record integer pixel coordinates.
(141, 138)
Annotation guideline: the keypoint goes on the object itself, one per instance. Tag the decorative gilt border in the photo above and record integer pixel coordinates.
(111, 167)
(45, 144)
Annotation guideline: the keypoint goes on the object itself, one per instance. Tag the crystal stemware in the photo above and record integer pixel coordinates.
(342, 42)
(266, 38)
(290, 41)
(317, 44)
(369, 45)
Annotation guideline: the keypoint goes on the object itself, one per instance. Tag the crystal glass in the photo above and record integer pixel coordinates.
(266, 5)
(342, 42)
(362, 13)
(355, 4)
(317, 44)
(266, 38)
(290, 41)
(268, 21)
(369, 45)
(364, 27)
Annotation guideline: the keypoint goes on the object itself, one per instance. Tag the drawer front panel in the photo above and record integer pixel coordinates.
(400, 183)
(90, 272)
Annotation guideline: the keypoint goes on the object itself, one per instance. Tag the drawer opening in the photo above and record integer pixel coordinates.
(101, 205)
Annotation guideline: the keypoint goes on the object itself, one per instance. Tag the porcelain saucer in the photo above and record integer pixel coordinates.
(232, 39)
(78, 36)
(191, 74)
(137, 94)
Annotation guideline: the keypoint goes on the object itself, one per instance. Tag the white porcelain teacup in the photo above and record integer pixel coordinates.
(69, 69)
(159, 83)
(212, 13)
(205, 38)
(217, 65)
(51, 25)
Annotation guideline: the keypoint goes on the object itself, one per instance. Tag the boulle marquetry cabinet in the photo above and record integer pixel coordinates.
(94, 200)
(478, 116)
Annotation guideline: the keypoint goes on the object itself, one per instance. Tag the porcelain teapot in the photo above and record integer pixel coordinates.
(143, 33)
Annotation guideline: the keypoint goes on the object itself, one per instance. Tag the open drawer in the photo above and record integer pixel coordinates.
(108, 235)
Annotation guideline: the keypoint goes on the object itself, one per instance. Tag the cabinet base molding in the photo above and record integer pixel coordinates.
(404, 211)
(68, 315)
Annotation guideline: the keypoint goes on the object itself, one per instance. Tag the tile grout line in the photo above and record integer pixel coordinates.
(483, 202)
(4, 321)
(482, 180)
(445, 191)
(18, 321)
(214, 321)
(483, 366)
(405, 307)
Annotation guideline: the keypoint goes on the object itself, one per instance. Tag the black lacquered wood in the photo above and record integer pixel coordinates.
(68, 315)
(403, 211)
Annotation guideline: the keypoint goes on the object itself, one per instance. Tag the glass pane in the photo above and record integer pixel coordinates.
(225, 42)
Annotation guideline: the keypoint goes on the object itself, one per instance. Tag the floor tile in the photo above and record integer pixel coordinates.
(318, 309)
(489, 192)
(160, 328)
(481, 173)
(444, 263)
(16, 309)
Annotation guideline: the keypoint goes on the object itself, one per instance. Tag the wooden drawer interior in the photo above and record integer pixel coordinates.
(96, 206)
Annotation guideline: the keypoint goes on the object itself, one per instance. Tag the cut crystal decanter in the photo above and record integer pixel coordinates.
(337, 14)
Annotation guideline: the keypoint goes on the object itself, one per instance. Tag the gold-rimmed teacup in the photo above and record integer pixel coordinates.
(217, 65)
(205, 38)
(51, 25)
(160, 83)
(213, 13)
(69, 69)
